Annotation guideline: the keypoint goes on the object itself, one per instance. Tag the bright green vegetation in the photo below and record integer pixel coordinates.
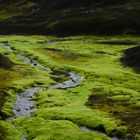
(107, 100)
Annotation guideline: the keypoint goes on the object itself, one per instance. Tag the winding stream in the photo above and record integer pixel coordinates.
(23, 105)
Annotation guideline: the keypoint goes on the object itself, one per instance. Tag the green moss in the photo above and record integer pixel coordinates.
(69, 105)
(39, 129)
(8, 131)
(107, 100)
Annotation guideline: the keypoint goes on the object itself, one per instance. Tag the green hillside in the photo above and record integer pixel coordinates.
(70, 16)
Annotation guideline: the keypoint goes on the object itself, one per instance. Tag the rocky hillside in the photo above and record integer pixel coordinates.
(70, 16)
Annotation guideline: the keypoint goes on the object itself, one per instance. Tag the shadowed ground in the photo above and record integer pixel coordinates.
(132, 58)
(65, 17)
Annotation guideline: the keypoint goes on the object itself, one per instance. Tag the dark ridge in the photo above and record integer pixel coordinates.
(5, 62)
(132, 58)
(67, 17)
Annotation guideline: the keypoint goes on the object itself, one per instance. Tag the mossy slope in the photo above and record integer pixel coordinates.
(70, 16)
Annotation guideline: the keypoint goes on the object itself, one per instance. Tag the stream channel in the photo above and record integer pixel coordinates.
(23, 106)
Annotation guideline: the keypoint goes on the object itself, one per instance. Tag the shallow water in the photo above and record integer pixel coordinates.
(74, 80)
(32, 63)
(23, 137)
(23, 105)
(91, 130)
(6, 46)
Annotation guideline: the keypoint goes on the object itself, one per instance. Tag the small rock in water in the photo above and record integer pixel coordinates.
(29, 99)
(32, 107)
(23, 105)
(18, 110)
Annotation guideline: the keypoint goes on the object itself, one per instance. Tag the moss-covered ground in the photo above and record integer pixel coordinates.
(107, 101)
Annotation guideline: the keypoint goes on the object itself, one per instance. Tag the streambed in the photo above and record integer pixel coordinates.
(23, 105)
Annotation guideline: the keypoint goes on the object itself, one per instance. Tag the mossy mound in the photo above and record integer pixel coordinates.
(40, 129)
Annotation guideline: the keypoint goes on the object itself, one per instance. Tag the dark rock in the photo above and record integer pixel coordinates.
(132, 57)
(32, 107)
(18, 110)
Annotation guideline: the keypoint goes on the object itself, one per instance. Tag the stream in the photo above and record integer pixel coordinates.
(91, 130)
(23, 106)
